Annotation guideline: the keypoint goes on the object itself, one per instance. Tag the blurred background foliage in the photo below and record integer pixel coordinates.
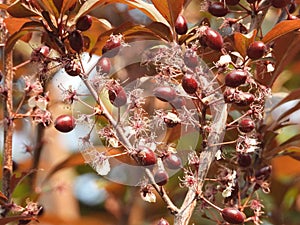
(72, 194)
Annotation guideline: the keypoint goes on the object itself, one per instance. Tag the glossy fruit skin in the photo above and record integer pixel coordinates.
(64, 123)
(189, 84)
(84, 23)
(161, 177)
(263, 173)
(73, 68)
(163, 222)
(256, 50)
(213, 39)
(246, 125)
(146, 156)
(76, 40)
(190, 58)
(181, 25)
(112, 46)
(233, 216)
(103, 65)
(280, 3)
(232, 2)
(245, 99)
(172, 161)
(218, 9)
(117, 96)
(244, 160)
(235, 78)
(165, 93)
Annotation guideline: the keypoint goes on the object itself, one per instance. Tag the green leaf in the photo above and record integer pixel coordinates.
(19, 10)
(242, 41)
(281, 29)
(169, 9)
(290, 197)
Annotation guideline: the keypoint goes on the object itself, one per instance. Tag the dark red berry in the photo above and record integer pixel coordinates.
(190, 58)
(103, 65)
(213, 39)
(244, 160)
(244, 99)
(246, 125)
(181, 25)
(235, 78)
(280, 3)
(233, 215)
(73, 68)
(146, 156)
(161, 177)
(251, 1)
(218, 9)
(256, 50)
(229, 95)
(232, 2)
(112, 46)
(117, 96)
(263, 173)
(163, 222)
(292, 7)
(84, 23)
(64, 123)
(165, 93)
(76, 40)
(189, 84)
(172, 161)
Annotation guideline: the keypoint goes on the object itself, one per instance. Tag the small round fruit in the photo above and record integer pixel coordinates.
(103, 65)
(189, 84)
(147, 157)
(256, 50)
(190, 58)
(161, 177)
(229, 95)
(76, 40)
(280, 3)
(232, 2)
(163, 222)
(181, 25)
(172, 161)
(218, 9)
(64, 123)
(244, 160)
(112, 46)
(73, 68)
(165, 93)
(213, 39)
(117, 96)
(244, 99)
(263, 173)
(84, 23)
(235, 78)
(233, 215)
(246, 125)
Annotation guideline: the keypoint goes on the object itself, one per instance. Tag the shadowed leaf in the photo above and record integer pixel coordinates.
(289, 111)
(10, 219)
(19, 10)
(293, 95)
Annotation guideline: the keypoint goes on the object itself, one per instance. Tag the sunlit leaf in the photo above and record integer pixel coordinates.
(170, 9)
(281, 29)
(289, 111)
(4, 6)
(98, 27)
(73, 160)
(242, 41)
(14, 24)
(19, 10)
(50, 7)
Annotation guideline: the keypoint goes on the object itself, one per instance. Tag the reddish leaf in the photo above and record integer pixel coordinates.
(14, 24)
(19, 10)
(291, 96)
(4, 7)
(73, 160)
(49, 6)
(3, 198)
(161, 30)
(242, 41)
(281, 29)
(10, 219)
(169, 9)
